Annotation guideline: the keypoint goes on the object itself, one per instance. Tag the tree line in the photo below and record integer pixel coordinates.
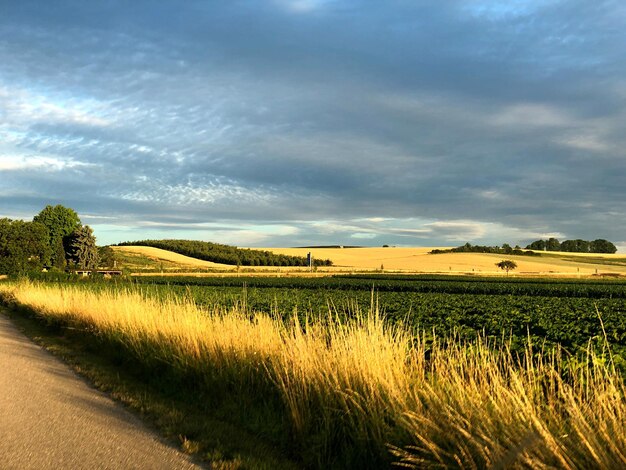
(574, 246)
(505, 249)
(226, 254)
(55, 239)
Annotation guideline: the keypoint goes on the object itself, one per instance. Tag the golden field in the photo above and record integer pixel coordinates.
(419, 260)
(392, 259)
(364, 390)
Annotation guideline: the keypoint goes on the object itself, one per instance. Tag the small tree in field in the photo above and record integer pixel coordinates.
(507, 265)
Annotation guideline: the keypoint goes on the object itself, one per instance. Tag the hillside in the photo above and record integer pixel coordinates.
(226, 254)
(146, 258)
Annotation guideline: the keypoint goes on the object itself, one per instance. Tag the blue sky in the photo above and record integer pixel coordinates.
(298, 122)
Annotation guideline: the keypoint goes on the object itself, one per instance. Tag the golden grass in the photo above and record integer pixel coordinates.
(364, 392)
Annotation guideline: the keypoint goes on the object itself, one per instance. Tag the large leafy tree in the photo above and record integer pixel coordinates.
(107, 257)
(553, 244)
(23, 246)
(82, 249)
(538, 245)
(575, 246)
(602, 246)
(61, 222)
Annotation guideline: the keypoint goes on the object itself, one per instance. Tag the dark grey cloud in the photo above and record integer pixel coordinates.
(300, 121)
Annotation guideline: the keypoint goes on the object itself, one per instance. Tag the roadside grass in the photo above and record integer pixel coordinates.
(357, 393)
(205, 429)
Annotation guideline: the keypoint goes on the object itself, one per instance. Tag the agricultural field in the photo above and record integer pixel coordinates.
(140, 259)
(567, 312)
(419, 260)
(369, 371)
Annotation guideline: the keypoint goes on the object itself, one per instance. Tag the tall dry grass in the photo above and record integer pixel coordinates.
(364, 393)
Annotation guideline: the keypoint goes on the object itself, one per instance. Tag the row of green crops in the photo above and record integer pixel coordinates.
(600, 288)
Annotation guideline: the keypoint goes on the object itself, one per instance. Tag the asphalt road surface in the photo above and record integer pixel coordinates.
(51, 419)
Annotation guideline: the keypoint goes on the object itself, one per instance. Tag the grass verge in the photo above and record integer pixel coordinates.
(195, 426)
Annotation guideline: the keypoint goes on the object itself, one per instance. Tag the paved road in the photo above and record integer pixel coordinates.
(51, 419)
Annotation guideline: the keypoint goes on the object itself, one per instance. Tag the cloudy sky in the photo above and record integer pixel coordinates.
(298, 122)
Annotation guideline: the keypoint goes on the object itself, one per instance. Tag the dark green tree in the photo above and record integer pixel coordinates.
(575, 246)
(553, 245)
(602, 246)
(61, 222)
(107, 257)
(59, 256)
(538, 245)
(23, 246)
(83, 252)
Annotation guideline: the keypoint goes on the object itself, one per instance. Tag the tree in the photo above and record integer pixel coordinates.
(507, 265)
(83, 252)
(107, 257)
(23, 246)
(575, 246)
(602, 246)
(538, 245)
(553, 245)
(61, 222)
(59, 256)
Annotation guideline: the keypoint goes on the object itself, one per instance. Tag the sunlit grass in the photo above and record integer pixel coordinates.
(363, 392)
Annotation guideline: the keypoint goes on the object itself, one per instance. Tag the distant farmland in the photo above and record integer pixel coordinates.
(409, 260)
(419, 260)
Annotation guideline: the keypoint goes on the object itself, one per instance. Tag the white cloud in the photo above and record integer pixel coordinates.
(502, 10)
(590, 142)
(25, 107)
(302, 6)
(20, 163)
(491, 194)
(364, 235)
(530, 115)
(458, 230)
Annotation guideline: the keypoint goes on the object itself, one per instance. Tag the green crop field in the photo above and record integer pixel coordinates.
(568, 312)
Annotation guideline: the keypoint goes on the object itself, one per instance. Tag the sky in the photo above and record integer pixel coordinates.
(317, 122)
